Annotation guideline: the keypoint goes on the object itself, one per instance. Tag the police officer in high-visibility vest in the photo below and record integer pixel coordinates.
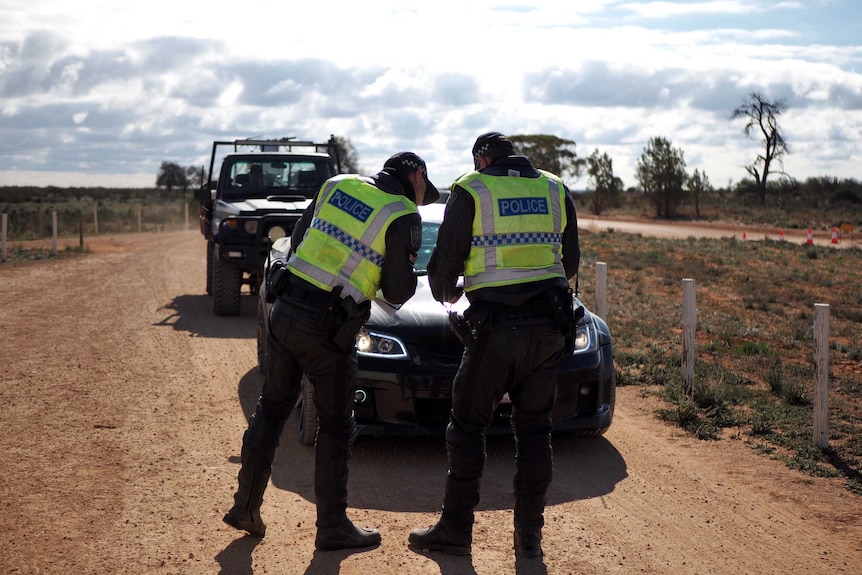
(512, 231)
(359, 234)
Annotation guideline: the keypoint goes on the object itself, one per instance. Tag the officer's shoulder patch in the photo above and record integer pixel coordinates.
(416, 237)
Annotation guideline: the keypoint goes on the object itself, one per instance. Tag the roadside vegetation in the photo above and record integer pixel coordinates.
(754, 369)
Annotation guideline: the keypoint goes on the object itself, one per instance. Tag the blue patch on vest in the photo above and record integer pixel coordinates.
(522, 206)
(350, 205)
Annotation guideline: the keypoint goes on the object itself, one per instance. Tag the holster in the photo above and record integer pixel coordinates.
(276, 280)
(462, 328)
(330, 311)
(349, 319)
(467, 327)
(565, 315)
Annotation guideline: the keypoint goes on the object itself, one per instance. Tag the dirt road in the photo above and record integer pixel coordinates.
(123, 401)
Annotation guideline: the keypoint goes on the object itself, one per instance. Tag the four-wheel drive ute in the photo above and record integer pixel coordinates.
(260, 191)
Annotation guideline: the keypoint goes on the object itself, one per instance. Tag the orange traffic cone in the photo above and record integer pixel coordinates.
(781, 236)
(809, 240)
(834, 235)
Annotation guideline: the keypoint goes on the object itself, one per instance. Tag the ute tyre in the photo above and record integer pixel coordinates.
(227, 283)
(307, 413)
(210, 251)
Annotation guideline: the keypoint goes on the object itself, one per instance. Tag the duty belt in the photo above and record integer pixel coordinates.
(535, 312)
(310, 296)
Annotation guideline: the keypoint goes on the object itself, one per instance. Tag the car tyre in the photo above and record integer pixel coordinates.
(227, 283)
(210, 251)
(307, 413)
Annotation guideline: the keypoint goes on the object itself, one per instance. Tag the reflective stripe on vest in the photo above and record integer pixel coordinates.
(346, 241)
(495, 232)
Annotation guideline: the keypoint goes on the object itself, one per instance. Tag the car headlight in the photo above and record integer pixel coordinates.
(250, 227)
(583, 338)
(374, 344)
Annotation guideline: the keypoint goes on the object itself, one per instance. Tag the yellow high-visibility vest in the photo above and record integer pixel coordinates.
(517, 229)
(346, 241)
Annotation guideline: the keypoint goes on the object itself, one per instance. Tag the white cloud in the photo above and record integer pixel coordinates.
(123, 87)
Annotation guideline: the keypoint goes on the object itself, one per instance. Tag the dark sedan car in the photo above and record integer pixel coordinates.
(408, 357)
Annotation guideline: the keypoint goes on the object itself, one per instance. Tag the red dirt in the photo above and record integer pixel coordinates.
(124, 401)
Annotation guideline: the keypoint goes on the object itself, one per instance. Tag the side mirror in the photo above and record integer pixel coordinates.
(204, 194)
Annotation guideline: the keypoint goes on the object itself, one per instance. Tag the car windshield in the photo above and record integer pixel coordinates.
(259, 178)
(429, 240)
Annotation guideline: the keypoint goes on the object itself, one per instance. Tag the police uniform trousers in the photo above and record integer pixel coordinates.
(517, 352)
(299, 343)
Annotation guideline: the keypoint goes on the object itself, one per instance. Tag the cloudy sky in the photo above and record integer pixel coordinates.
(100, 92)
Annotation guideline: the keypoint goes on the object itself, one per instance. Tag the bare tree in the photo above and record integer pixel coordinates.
(195, 176)
(762, 114)
(348, 158)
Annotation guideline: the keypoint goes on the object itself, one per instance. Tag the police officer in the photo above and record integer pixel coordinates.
(511, 230)
(359, 234)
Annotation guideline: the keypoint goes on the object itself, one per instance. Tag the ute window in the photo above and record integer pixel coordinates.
(259, 178)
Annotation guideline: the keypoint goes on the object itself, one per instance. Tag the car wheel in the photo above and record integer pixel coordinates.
(227, 283)
(262, 346)
(307, 413)
(210, 250)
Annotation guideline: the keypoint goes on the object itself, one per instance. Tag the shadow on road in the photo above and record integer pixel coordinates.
(235, 559)
(396, 473)
(193, 313)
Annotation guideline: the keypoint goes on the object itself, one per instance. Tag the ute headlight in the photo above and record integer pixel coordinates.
(374, 344)
(583, 338)
(276, 233)
(250, 227)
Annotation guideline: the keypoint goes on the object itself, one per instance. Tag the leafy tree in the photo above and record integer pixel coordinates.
(606, 187)
(698, 187)
(762, 116)
(172, 175)
(348, 158)
(550, 153)
(661, 173)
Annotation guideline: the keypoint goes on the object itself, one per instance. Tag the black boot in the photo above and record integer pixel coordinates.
(453, 533)
(528, 545)
(345, 536)
(533, 475)
(334, 529)
(245, 514)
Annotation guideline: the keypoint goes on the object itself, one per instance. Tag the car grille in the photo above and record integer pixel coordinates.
(443, 349)
(433, 411)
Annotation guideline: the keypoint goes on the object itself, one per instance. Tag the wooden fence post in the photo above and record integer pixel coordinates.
(821, 375)
(602, 290)
(96, 218)
(140, 217)
(3, 234)
(54, 233)
(689, 324)
(186, 206)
